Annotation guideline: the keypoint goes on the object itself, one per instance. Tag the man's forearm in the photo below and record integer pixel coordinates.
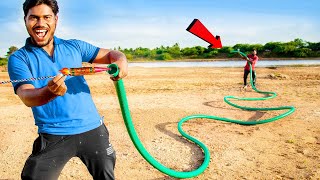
(36, 97)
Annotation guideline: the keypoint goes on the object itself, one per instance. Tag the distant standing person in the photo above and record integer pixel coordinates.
(252, 59)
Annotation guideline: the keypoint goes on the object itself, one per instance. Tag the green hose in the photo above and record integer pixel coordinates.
(178, 174)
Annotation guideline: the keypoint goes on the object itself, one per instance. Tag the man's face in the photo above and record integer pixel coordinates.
(254, 52)
(41, 24)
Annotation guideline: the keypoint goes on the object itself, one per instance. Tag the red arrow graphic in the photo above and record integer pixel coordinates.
(198, 29)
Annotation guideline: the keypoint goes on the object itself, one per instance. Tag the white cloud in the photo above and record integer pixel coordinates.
(12, 34)
(266, 28)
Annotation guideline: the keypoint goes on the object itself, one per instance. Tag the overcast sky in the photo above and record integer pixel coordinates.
(152, 23)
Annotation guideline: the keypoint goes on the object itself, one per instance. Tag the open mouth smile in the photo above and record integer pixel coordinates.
(41, 33)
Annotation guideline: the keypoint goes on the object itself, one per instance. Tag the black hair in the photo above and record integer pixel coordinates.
(28, 4)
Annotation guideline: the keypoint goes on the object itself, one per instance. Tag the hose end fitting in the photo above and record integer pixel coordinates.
(113, 70)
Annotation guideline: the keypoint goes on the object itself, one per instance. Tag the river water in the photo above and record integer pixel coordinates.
(262, 63)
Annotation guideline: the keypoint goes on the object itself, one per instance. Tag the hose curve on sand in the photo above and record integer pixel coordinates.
(121, 93)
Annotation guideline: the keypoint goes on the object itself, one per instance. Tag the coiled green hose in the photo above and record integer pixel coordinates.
(178, 174)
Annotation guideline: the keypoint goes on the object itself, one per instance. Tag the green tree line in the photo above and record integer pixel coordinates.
(297, 48)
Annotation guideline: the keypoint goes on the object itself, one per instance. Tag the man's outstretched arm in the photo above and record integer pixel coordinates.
(32, 96)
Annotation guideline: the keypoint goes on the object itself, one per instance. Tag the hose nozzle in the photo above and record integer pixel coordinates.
(113, 70)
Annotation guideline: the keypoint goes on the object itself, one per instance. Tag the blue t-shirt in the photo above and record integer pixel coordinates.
(72, 113)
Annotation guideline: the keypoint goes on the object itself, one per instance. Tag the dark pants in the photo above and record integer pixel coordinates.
(245, 76)
(51, 152)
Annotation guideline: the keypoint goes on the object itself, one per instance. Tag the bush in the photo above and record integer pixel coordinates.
(210, 54)
(3, 61)
(129, 56)
(164, 56)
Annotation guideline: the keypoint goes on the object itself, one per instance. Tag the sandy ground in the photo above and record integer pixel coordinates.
(159, 97)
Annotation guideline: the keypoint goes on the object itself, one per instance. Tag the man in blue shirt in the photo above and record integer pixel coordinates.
(69, 124)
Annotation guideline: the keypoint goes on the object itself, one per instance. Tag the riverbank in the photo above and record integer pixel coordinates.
(219, 59)
(159, 97)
